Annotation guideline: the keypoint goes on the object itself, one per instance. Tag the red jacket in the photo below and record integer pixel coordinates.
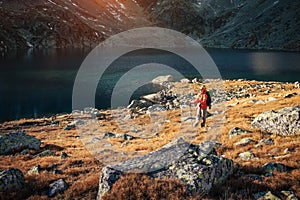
(201, 98)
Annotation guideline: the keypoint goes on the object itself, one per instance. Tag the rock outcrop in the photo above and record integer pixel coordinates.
(16, 142)
(196, 166)
(11, 180)
(283, 122)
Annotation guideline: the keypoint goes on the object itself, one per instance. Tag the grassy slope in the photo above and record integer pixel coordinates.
(81, 170)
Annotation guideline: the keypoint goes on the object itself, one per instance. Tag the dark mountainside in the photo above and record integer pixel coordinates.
(247, 24)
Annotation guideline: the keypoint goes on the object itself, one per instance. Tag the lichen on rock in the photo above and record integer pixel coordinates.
(196, 166)
(285, 122)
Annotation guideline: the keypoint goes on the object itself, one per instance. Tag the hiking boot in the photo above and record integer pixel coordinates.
(202, 124)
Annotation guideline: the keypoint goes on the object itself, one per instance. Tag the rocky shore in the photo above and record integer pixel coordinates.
(250, 148)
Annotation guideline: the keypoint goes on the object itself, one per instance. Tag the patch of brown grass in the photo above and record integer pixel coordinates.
(142, 187)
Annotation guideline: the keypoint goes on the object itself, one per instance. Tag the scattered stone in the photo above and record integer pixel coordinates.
(56, 187)
(57, 171)
(290, 95)
(51, 167)
(73, 124)
(125, 136)
(246, 155)
(289, 195)
(70, 126)
(271, 166)
(272, 99)
(197, 167)
(11, 180)
(297, 84)
(268, 141)
(260, 102)
(244, 142)
(125, 143)
(283, 122)
(162, 79)
(121, 136)
(185, 80)
(63, 155)
(35, 170)
(289, 150)
(109, 135)
(237, 131)
(45, 153)
(156, 108)
(265, 196)
(139, 104)
(17, 141)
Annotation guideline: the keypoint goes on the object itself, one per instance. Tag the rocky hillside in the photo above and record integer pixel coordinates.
(256, 155)
(257, 24)
(251, 24)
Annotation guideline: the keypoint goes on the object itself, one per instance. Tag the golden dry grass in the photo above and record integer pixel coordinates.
(81, 170)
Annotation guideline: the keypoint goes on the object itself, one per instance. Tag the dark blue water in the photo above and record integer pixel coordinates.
(39, 83)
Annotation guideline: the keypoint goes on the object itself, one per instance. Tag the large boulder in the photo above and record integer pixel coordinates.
(16, 142)
(163, 79)
(11, 180)
(196, 166)
(283, 122)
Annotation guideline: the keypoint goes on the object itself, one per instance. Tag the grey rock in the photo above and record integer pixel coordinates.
(283, 122)
(185, 80)
(237, 131)
(11, 180)
(244, 142)
(289, 150)
(268, 141)
(109, 135)
(121, 136)
(271, 166)
(73, 124)
(290, 95)
(56, 187)
(63, 155)
(17, 141)
(265, 196)
(45, 153)
(139, 104)
(162, 79)
(156, 108)
(289, 195)
(195, 165)
(35, 170)
(246, 155)
(57, 171)
(125, 136)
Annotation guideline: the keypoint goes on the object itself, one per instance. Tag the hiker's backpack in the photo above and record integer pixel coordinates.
(208, 101)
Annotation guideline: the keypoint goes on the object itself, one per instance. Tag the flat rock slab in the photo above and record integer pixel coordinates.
(197, 166)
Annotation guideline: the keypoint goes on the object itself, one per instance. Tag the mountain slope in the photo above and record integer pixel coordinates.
(59, 23)
(252, 24)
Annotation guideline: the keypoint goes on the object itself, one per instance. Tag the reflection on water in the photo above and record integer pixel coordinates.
(39, 83)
